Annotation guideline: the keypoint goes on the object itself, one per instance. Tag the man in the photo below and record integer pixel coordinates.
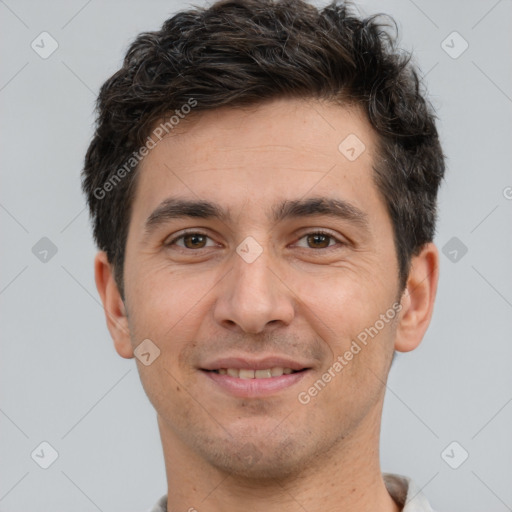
(262, 184)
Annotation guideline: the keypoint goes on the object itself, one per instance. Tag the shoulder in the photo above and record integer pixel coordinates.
(406, 493)
(160, 505)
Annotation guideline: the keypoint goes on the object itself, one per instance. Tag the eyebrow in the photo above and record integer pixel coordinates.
(176, 208)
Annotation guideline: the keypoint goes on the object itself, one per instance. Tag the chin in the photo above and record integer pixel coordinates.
(256, 460)
(266, 469)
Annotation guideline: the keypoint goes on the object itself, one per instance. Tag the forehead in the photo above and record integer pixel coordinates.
(280, 149)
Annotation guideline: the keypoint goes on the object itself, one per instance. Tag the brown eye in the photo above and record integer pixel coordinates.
(194, 241)
(318, 240)
(191, 241)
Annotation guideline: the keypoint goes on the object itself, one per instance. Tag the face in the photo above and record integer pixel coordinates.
(286, 263)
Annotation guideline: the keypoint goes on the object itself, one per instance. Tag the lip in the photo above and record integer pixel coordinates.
(254, 388)
(255, 364)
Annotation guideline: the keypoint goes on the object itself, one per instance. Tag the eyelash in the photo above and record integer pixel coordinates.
(193, 232)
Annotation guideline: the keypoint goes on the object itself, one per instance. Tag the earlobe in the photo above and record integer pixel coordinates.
(113, 305)
(418, 299)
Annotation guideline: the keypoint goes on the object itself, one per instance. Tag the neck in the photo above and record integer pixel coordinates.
(347, 478)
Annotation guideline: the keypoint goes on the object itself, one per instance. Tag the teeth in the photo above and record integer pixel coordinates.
(246, 374)
(255, 374)
(263, 374)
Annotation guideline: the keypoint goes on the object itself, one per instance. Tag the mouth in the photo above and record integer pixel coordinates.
(248, 373)
(254, 383)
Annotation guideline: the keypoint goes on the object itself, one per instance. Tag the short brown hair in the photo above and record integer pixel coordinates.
(241, 52)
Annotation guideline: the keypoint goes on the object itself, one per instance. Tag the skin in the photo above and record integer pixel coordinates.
(300, 298)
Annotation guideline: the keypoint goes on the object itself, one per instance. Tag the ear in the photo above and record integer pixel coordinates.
(113, 305)
(418, 299)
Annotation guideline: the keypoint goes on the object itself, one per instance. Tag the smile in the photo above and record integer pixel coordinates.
(249, 383)
(244, 373)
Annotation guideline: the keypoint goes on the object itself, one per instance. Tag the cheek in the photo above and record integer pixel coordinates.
(344, 308)
(344, 300)
(164, 302)
(167, 309)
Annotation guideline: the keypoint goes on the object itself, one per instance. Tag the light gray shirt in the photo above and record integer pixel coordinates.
(401, 488)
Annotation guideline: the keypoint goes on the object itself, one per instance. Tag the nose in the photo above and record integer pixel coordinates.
(253, 296)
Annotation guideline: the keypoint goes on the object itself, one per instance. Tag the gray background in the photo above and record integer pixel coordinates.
(61, 380)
